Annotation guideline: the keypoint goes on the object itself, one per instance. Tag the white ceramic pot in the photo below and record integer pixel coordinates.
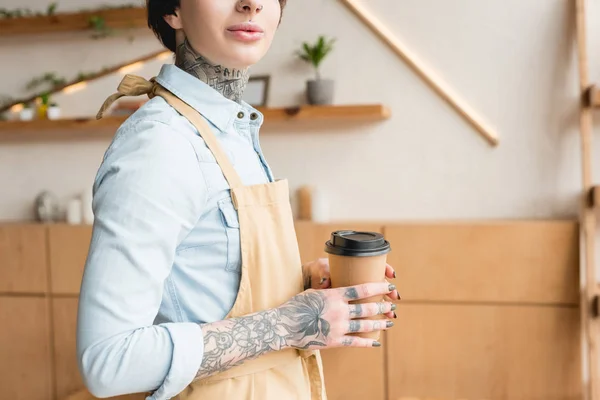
(26, 114)
(88, 212)
(74, 211)
(53, 112)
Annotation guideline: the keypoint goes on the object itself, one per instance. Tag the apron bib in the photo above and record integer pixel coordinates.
(271, 274)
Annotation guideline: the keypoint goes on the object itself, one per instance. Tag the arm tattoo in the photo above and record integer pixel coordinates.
(230, 342)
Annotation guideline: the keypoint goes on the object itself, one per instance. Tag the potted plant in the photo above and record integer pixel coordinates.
(318, 91)
(26, 113)
(53, 111)
(43, 106)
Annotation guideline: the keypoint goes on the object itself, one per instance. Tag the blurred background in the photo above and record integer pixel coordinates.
(485, 237)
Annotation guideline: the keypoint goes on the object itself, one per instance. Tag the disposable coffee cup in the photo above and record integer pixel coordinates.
(355, 258)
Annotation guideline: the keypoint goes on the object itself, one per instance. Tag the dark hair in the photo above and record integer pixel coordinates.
(157, 9)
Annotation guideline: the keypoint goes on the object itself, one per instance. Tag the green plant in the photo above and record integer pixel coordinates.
(27, 12)
(45, 98)
(315, 54)
(98, 25)
(51, 9)
(49, 78)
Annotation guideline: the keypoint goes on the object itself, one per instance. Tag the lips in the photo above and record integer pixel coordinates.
(246, 32)
(245, 27)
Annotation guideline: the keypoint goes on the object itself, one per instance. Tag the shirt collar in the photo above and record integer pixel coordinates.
(215, 107)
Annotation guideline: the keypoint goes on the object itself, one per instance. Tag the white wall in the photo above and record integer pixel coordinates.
(512, 60)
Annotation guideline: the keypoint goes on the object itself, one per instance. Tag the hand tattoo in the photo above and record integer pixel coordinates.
(229, 82)
(298, 323)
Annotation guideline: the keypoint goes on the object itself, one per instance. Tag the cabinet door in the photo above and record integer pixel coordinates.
(68, 379)
(503, 261)
(25, 361)
(23, 267)
(69, 246)
(486, 351)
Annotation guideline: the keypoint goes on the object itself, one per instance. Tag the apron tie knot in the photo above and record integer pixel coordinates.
(131, 85)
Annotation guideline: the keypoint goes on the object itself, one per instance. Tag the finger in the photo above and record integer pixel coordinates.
(366, 290)
(389, 271)
(325, 283)
(354, 341)
(370, 309)
(394, 295)
(364, 325)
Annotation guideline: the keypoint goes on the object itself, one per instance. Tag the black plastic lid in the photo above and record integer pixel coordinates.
(357, 244)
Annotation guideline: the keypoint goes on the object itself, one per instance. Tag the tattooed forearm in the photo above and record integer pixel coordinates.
(229, 82)
(230, 342)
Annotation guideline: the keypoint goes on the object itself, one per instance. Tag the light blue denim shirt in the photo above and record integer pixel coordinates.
(165, 250)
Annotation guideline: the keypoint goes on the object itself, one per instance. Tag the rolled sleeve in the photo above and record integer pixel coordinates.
(185, 363)
(148, 195)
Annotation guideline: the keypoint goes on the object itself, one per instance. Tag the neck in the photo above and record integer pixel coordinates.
(229, 82)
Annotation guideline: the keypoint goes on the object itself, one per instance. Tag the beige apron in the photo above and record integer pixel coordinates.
(271, 274)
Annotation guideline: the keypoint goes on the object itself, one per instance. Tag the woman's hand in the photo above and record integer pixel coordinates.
(316, 276)
(318, 319)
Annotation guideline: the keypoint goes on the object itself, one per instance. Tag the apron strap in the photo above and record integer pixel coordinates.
(133, 85)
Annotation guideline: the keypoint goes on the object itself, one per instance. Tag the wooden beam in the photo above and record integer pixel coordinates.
(419, 68)
(587, 214)
(90, 78)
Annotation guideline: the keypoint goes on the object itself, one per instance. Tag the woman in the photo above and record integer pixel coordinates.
(193, 285)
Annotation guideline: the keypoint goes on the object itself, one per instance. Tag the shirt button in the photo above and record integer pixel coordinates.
(254, 116)
(240, 115)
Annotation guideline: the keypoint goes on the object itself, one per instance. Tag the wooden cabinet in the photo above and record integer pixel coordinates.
(489, 310)
(23, 259)
(69, 246)
(25, 354)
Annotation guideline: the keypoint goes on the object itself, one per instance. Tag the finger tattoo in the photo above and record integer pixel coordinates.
(354, 326)
(380, 308)
(347, 341)
(356, 310)
(351, 293)
(377, 326)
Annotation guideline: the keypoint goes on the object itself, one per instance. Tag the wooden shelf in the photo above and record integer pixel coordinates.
(123, 18)
(346, 112)
(76, 129)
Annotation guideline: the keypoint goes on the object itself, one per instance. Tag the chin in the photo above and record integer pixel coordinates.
(246, 56)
